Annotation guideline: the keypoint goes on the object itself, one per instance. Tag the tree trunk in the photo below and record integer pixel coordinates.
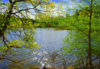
(86, 66)
(83, 66)
(7, 18)
(89, 39)
(64, 64)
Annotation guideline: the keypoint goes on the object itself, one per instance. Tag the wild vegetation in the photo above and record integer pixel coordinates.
(80, 47)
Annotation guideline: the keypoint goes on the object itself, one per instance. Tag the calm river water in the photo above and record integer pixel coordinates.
(50, 39)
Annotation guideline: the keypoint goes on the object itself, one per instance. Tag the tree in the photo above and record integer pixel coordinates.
(16, 17)
(13, 6)
(85, 24)
(89, 38)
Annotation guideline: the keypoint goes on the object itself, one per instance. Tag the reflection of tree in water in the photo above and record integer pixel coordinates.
(20, 45)
(24, 60)
(54, 60)
(24, 57)
(44, 67)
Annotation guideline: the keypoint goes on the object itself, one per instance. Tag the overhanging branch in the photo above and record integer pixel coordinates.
(23, 10)
(34, 7)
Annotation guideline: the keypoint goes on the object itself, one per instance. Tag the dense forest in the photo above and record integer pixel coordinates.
(20, 20)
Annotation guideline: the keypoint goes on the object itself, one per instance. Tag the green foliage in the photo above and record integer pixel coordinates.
(76, 44)
(29, 40)
(2, 49)
(16, 43)
(20, 22)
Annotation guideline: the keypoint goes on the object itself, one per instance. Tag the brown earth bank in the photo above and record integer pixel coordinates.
(38, 67)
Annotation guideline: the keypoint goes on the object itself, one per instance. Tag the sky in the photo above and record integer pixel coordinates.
(59, 1)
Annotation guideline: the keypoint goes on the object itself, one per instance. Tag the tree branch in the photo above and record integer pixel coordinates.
(23, 10)
(34, 7)
(10, 1)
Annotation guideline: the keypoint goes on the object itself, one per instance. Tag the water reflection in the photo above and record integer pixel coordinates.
(49, 40)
